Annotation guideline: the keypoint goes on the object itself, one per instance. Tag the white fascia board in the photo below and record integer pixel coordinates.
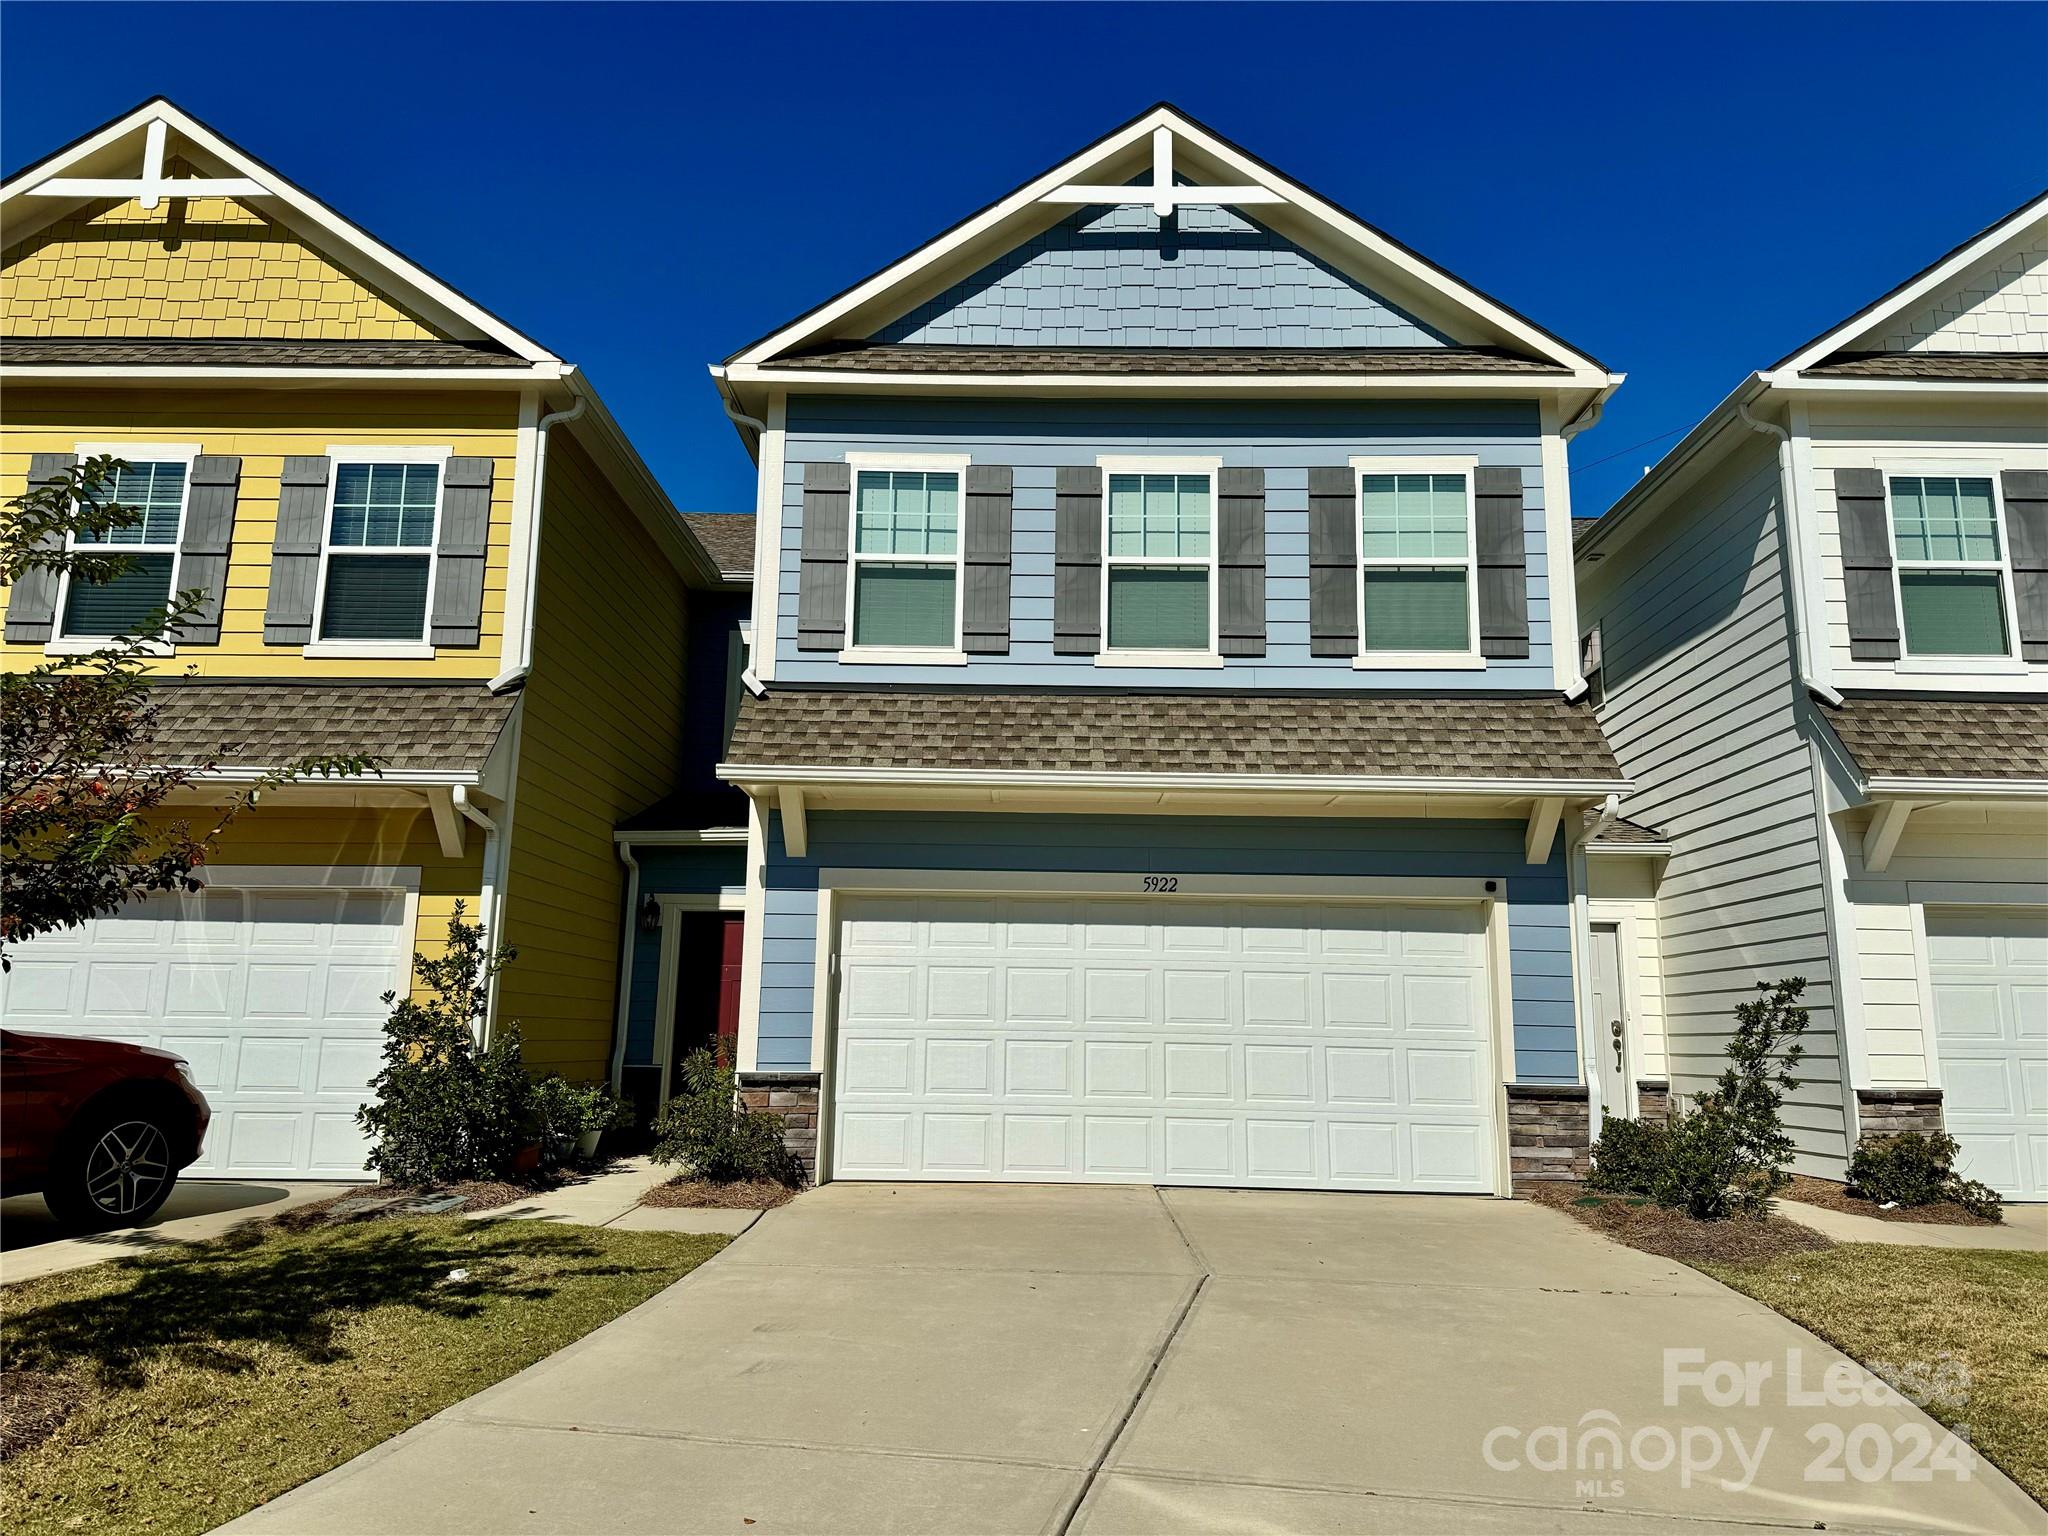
(1629, 850)
(307, 214)
(342, 378)
(1881, 787)
(1692, 456)
(1247, 171)
(757, 776)
(1918, 288)
(408, 778)
(1506, 385)
(1788, 383)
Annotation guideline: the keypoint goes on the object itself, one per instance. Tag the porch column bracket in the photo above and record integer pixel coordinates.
(795, 835)
(448, 824)
(1544, 816)
(1882, 836)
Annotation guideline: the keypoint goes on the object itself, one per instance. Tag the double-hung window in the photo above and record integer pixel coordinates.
(1954, 592)
(1417, 596)
(152, 492)
(904, 587)
(378, 569)
(1159, 567)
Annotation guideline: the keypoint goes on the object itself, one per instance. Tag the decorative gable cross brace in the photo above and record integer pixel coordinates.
(1163, 196)
(152, 186)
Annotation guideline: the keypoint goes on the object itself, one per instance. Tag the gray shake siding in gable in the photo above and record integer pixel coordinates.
(1703, 709)
(1115, 278)
(1037, 439)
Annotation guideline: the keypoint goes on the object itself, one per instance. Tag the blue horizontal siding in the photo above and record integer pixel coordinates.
(1539, 941)
(1036, 438)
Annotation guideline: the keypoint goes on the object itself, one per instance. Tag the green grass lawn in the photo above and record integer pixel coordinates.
(211, 1378)
(1903, 1306)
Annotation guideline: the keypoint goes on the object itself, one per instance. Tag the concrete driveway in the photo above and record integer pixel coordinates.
(1006, 1358)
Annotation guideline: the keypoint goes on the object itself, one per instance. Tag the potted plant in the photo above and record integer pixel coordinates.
(572, 1118)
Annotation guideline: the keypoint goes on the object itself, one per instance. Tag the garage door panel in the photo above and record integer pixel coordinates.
(1312, 1049)
(1988, 977)
(275, 997)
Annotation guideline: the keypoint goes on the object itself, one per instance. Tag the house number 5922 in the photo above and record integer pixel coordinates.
(1161, 883)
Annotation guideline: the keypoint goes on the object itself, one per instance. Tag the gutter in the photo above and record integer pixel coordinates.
(823, 776)
(518, 670)
(627, 941)
(750, 428)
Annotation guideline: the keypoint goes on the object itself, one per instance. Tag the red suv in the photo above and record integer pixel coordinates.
(102, 1129)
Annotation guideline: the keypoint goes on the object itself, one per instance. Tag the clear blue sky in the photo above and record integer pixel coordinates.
(1686, 191)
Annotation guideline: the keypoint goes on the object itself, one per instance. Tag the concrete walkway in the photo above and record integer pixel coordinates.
(988, 1358)
(612, 1199)
(32, 1243)
(2024, 1230)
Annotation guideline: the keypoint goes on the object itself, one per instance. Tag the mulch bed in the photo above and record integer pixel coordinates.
(33, 1405)
(754, 1195)
(1675, 1235)
(1836, 1197)
(476, 1195)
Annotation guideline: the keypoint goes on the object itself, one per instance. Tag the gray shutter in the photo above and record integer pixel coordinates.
(1077, 562)
(985, 546)
(32, 601)
(465, 530)
(295, 551)
(1503, 561)
(1241, 561)
(1867, 565)
(1333, 561)
(821, 589)
(2026, 526)
(203, 550)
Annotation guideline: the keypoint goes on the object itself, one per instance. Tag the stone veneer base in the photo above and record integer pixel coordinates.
(1888, 1111)
(792, 1097)
(1549, 1134)
(1653, 1100)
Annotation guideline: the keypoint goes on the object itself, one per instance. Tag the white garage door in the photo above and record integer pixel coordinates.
(272, 995)
(1293, 1046)
(1989, 972)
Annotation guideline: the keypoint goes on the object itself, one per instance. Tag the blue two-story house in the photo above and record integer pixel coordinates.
(1160, 755)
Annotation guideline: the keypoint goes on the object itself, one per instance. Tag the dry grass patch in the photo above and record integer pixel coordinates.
(1919, 1308)
(195, 1383)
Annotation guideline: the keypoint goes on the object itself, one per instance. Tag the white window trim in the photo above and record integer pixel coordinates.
(1141, 464)
(422, 649)
(1954, 469)
(1465, 465)
(61, 644)
(954, 464)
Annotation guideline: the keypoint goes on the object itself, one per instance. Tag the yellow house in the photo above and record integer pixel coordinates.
(422, 537)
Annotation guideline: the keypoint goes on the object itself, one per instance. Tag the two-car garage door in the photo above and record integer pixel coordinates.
(272, 993)
(1343, 1046)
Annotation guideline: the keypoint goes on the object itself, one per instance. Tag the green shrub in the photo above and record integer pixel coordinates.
(1728, 1153)
(1627, 1155)
(563, 1111)
(1914, 1168)
(705, 1129)
(445, 1109)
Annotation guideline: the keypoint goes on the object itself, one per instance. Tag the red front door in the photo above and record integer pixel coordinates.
(710, 955)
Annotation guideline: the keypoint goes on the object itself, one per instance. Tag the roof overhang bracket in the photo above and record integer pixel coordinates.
(1161, 192)
(448, 822)
(796, 838)
(1544, 815)
(1881, 837)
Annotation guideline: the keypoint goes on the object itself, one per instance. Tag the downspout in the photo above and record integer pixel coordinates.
(628, 941)
(1609, 808)
(1792, 510)
(740, 418)
(1584, 421)
(517, 672)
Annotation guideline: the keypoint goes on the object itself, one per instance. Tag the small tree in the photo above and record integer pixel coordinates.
(446, 1108)
(81, 784)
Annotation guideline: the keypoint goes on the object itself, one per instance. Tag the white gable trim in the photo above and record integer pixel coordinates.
(1250, 173)
(303, 212)
(1917, 289)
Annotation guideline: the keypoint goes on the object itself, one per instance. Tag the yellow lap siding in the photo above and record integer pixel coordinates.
(263, 429)
(325, 838)
(600, 740)
(198, 267)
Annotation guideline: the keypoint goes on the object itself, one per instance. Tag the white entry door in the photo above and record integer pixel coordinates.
(1988, 971)
(1285, 1045)
(273, 995)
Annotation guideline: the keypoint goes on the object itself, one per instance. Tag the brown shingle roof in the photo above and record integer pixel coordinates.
(167, 352)
(1959, 736)
(1452, 736)
(906, 358)
(444, 727)
(1956, 367)
(729, 539)
(1621, 832)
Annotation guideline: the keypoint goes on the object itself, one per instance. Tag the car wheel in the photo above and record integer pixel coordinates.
(114, 1170)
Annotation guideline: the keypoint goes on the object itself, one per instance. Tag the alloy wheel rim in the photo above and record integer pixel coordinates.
(126, 1167)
